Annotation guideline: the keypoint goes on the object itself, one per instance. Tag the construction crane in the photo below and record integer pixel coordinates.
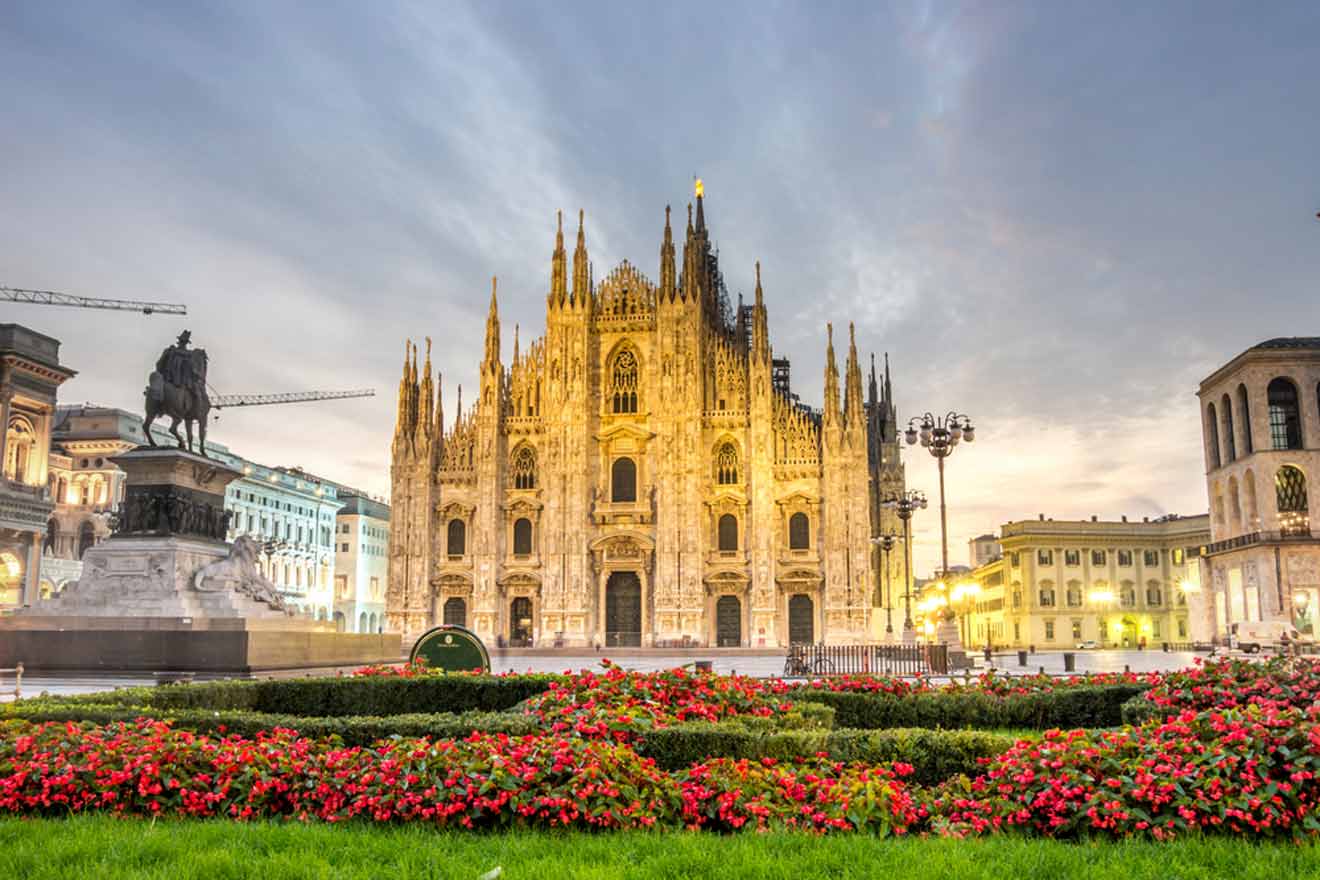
(52, 298)
(220, 401)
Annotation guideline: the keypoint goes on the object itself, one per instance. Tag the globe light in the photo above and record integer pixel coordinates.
(925, 434)
(912, 436)
(955, 433)
(969, 433)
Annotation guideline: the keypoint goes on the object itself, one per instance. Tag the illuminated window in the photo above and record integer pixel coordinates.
(1290, 495)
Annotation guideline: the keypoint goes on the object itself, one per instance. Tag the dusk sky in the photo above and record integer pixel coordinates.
(1056, 217)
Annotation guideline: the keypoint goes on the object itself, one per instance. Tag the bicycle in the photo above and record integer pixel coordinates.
(796, 665)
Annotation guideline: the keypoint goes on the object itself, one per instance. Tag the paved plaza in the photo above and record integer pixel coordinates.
(759, 663)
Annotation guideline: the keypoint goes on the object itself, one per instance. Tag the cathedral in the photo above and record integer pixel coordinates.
(644, 475)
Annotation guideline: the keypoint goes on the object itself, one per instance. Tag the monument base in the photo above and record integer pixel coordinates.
(158, 644)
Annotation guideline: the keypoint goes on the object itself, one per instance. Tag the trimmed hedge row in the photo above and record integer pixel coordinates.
(335, 697)
(1081, 706)
(935, 755)
(1139, 710)
(352, 730)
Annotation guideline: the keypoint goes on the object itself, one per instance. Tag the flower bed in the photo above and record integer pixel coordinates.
(1277, 683)
(151, 769)
(1249, 773)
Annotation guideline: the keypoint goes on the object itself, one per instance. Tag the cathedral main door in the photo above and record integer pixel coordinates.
(520, 623)
(623, 610)
(801, 625)
(728, 622)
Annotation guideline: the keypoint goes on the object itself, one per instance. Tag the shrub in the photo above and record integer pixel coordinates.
(1277, 683)
(933, 755)
(353, 730)
(1077, 706)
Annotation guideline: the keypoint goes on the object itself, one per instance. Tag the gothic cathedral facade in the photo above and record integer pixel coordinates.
(643, 475)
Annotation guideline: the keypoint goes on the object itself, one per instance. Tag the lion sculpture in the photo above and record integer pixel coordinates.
(239, 573)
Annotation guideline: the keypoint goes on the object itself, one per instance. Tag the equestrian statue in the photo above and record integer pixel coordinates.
(177, 388)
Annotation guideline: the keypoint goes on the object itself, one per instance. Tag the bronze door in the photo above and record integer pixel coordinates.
(455, 613)
(801, 623)
(623, 610)
(728, 622)
(520, 623)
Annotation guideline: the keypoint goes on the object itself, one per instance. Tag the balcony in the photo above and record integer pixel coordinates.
(1293, 532)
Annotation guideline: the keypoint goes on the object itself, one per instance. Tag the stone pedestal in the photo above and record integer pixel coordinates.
(165, 592)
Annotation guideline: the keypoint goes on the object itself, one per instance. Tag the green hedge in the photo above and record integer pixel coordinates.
(1082, 706)
(353, 730)
(335, 697)
(1139, 710)
(935, 755)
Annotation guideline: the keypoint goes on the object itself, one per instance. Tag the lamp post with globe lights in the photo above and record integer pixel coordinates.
(939, 435)
(886, 545)
(904, 505)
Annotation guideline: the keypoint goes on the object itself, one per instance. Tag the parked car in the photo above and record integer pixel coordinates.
(1088, 645)
(1253, 635)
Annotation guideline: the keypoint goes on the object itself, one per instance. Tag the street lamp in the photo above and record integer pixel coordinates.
(939, 435)
(886, 544)
(904, 505)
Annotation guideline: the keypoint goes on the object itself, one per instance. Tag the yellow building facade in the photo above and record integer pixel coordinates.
(642, 474)
(1062, 583)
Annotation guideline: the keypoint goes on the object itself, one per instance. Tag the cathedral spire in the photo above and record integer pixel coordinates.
(853, 385)
(701, 213)
(458, 412)
(401, 425)
(760, 328)
(667, 262)
(492, 359)
(424, 399)
(581, 266)
(438, 433)
(692, 263)
(559, 267)
(412, 392)
(515, 343)
(871, 392)
(831, 379)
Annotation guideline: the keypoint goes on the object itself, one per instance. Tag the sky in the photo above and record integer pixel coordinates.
(1056, 217)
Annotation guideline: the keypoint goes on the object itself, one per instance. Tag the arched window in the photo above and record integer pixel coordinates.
(1047, 594)
(456, 538)
(1290, 495)
(728, 529)
(1230, 441)
(1212, 431)
(1285, 417)
(1127, 596)
(51, 541)
(623, 382)
(726, 465)
(19, 441)
(623, 480)
(455, 612)
(1244, 416)
(1249, 494)
(522, 537)
(86, 538)
(799, 532)
(523, 468)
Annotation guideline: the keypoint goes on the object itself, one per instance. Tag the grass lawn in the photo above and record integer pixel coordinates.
(89, 847)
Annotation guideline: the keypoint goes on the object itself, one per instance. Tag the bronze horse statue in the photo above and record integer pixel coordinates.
(177, 388)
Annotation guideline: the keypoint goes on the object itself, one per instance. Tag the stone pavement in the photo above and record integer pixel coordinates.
(755, 663)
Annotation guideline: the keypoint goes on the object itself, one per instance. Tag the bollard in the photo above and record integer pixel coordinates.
(1069, 661)
(1042, 670)
(1126, 669)
(1165, 645)
(1022, 658)
(1032, 648)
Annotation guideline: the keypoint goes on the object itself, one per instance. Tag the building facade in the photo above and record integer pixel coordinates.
(362, 539)
(1118, 584)
(291, 514)
(983, 549)
(1261, 436)
(30, 377)
(642, 474)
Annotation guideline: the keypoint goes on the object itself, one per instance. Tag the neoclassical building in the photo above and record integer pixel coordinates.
(642, 474)
(1261, 431)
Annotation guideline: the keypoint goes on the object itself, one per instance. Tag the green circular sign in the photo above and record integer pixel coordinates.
(451, 648)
